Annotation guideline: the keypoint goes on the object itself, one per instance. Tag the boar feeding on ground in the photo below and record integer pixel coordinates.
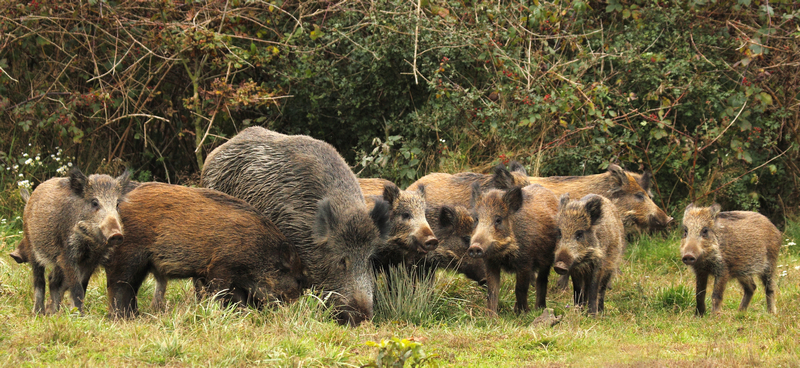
(735, 244)
(591, 239)
(227, 245)
(303, 186)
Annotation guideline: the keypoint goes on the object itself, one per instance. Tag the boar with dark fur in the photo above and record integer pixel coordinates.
(72, 225)
(179, 232)
(591, 239)
(410, 236)
(456, 189)
(453, 227)
(735, 244)
(303, 186)
(515, 232)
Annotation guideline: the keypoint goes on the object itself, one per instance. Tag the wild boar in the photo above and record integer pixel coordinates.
(456, 189)
(453, 227)
(179, 232)
(734, 244)
(303, 186)
(515, 232)
(591, 238)
(71, 224)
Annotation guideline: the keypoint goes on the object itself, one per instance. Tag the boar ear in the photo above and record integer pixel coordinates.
(645, 180)
(391, 193)
(77, 181)
(476, 195)
(325, 219)
(594, 207)
(618, 176)
(686, 211)
(562, 201)
(513, 199)
(124, 181)
(714, 209)
(421, 190)
(380, 217)
(515, 166)
(24, 194)
(447, 217)
(502, 178)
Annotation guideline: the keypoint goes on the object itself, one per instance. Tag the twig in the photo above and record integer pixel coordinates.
(740, 176)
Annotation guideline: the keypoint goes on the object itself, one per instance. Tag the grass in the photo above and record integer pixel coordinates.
(649, 321)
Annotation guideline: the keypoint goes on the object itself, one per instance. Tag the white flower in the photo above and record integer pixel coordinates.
(69, 164)
(784, 273)
(28, 161)
(38, 158)
(20, 175)
(25, 154)
(797, 267)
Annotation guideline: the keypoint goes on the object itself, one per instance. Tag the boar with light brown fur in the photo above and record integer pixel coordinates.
(515, 232)
(735, 244)
(591, 239)
(456, 189)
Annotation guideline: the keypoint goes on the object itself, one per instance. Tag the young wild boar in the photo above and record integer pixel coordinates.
(591, 239)
(456, 189)
(179, 232)
(735, 244)
(453, 227)
(515, 232)
(307, 190)
(410, 237)
(71, 224)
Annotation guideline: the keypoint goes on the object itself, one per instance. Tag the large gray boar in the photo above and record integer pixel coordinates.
(735, 244)
(591, 239)
(515, 232)
(303, 186)
(178, 232)
(72, 225)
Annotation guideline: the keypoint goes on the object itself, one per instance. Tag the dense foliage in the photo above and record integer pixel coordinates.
(702, 93)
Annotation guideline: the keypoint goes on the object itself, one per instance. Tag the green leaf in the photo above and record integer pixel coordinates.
(316, 33)
(626, 14)
(658, 133)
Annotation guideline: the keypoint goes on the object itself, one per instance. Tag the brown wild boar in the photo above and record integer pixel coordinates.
(735, 244)
(179, 232)
(515, 232)
(453, 227)
(410, 236)
(307, 190)
(456, 189)
(71, 224)
(591, 238)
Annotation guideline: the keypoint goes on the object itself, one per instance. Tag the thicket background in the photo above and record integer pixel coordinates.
(702, 93)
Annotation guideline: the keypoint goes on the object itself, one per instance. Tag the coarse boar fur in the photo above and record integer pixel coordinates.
(515, 232)
(309, 192)
(456, 189)
(179, 232)
(591, 239)
(71, 224)
(735, 244)
(453, 227)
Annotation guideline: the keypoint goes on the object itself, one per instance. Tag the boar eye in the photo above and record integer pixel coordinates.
(344, 264)
(406, 216)
(685, 232)
(498, 221)
(640, 196)
(704, 232)
(558, 234)
(579, 235)
(95, 203)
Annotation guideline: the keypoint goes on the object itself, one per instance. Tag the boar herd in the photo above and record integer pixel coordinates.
(278, 214)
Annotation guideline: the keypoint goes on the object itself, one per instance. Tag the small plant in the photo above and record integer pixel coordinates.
(401, 295)
(676, 298)
(396, 352)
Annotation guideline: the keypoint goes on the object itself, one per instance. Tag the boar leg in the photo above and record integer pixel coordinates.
(75, 287)
(158, 302)
(541, 287)
(577, 290)
(749, 287)
(719, 289)
(700, 293)
(123, 284)
(594, 286)
(521, 291)
(769, 288)
(493, 286)
(601, 294)
(56, 280)
(38, 287)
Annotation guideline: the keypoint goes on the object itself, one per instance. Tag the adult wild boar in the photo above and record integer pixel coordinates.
(456, 189)
(179, 232)
(71, 224)
(515, 232)
(591, 238)
(735, 244)
(303, 186)
(410, 237)
(453, 227)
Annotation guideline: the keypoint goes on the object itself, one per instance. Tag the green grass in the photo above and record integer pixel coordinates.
(649, 321)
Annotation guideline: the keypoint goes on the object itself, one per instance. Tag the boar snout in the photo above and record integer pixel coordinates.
(355, 312)
(689, 259)
(561, 268)
(475, 251)
(112, 232)
(431, 243)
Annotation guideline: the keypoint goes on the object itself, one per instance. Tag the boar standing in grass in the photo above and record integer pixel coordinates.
(72, 225)
(515, 232)
(410, 237)
(735, 244)
(453, 227)
(179, 232)
(456, 189)
(591, 239)
(303, 186)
